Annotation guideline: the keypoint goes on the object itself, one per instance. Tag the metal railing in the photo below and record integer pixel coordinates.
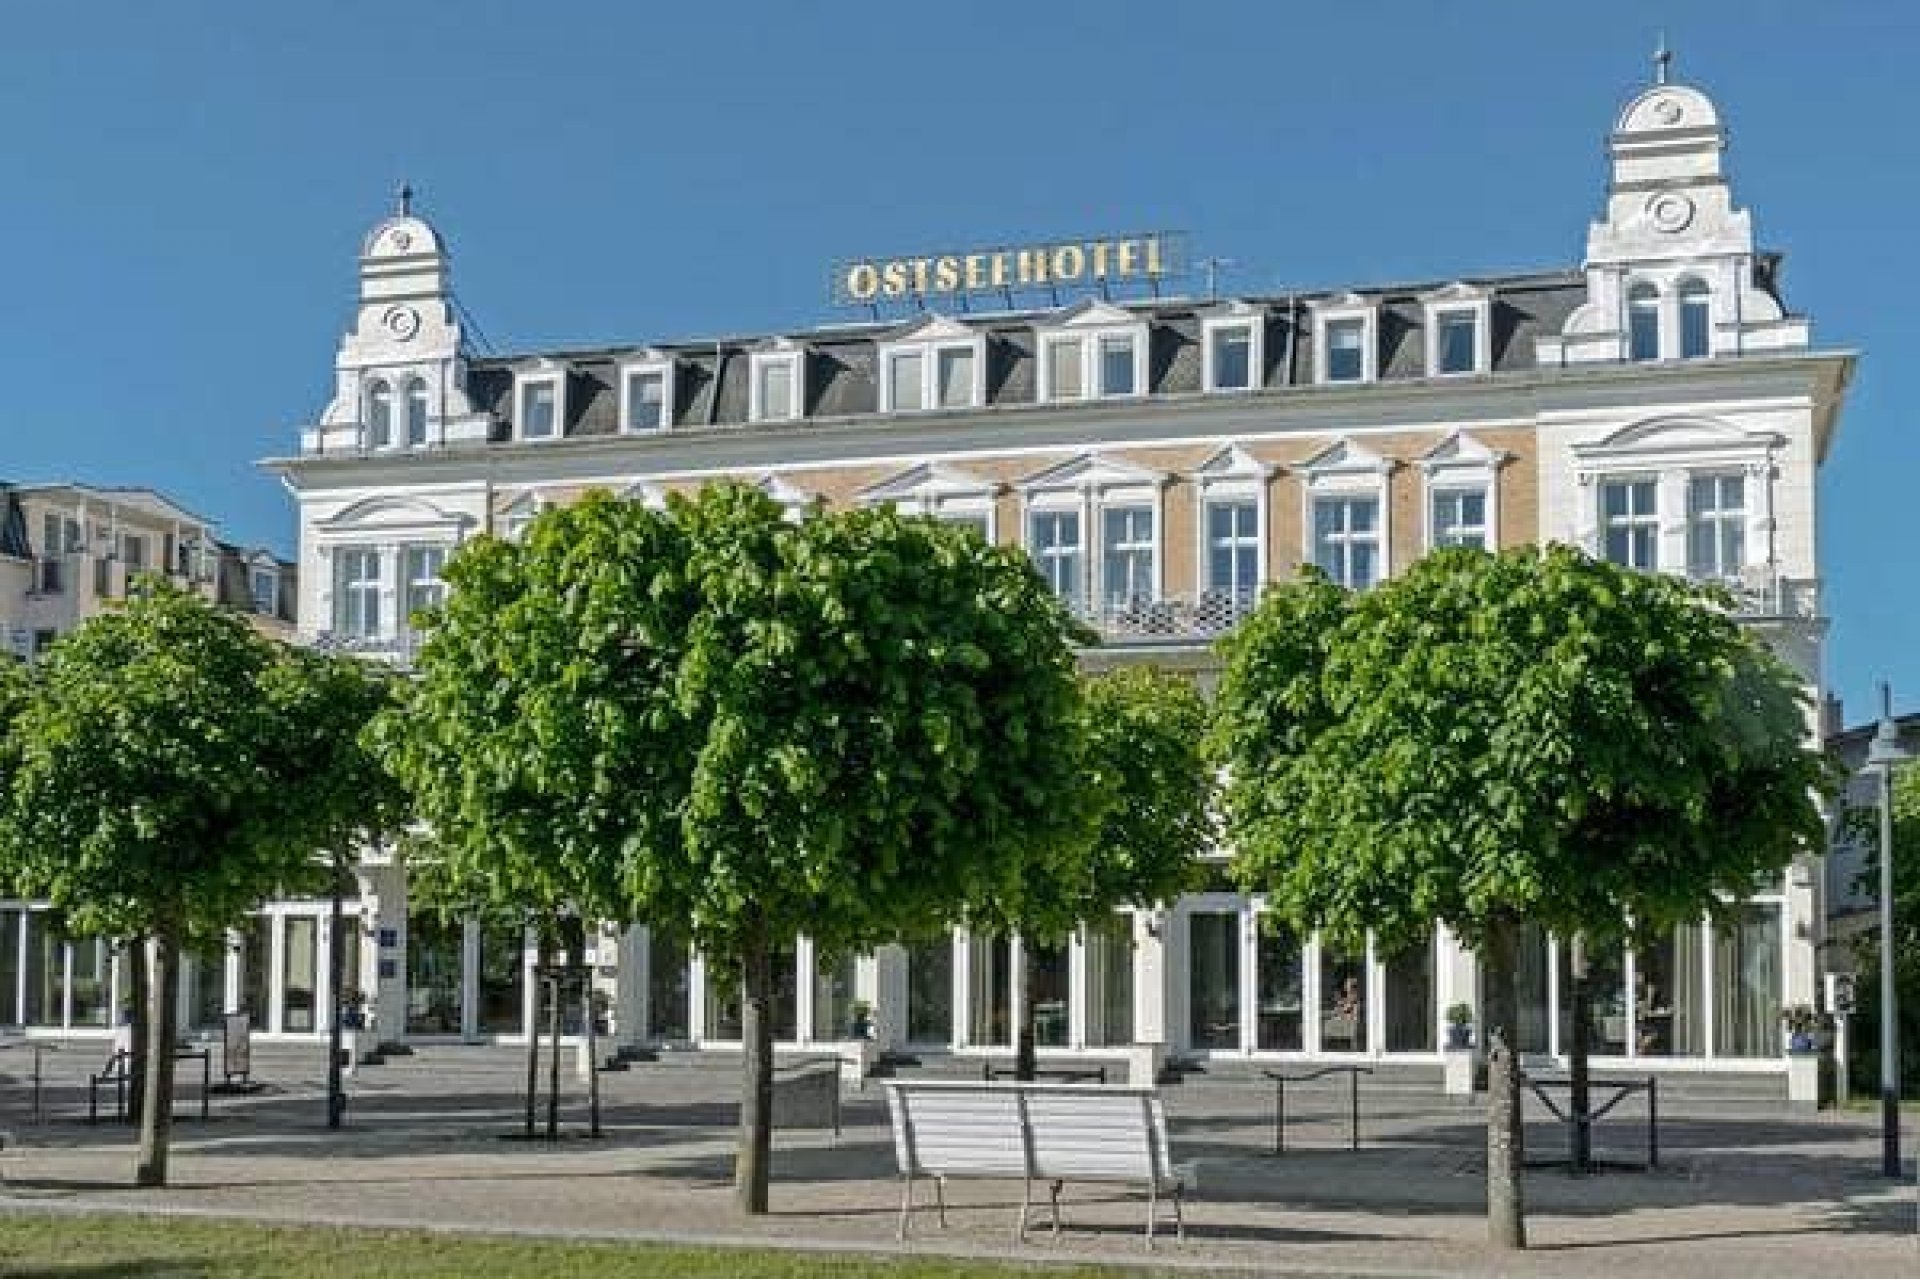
(1165, 618)
(1768, 596)
(398, 648)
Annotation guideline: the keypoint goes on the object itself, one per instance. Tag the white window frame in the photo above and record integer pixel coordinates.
(1235, 315)
(929, 340)
(405, 403)
(1677, 301)
(1061, 504)
(1441, 492)
(380, 384)
(518, 514)
(793, 356)
(1459, 299)
(1231, 475)
(374, 587)
(1649, 520)
(1461, 463)
(405, 581)
(1091, 484)
(1345, 308)
(1665, 341)
(1092, 324)
(526, 380)
(1347, 469)
(256, 576)
(1719, 517)
(1103, 507)
(648, 365)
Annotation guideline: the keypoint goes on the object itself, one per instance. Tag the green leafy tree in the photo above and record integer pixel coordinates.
(163, 786)
(846, 725)
(1490, 739)
(1149, 791)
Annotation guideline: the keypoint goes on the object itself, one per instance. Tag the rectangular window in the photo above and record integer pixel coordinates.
(1213, 980)
(356, 593)
(1630, 523)
(133, 552)
(424, 588)
(1460, 518)
(1109, 964)
(1343, 1000)
(1716, 526)
(646, 400)
(1232, 352)
(955, 367)
(1458, 342)
(1346, 539)
(776, 390)
(1063, 369)
(1056, 550)
(1233, 548)
(264, 586)
(538, 407)
(1126, 538)
(1746, 977)
(50, 543)
(975, 520)
(1346, 350)
(906, 381)
(1116, 366)
(1282, 1006)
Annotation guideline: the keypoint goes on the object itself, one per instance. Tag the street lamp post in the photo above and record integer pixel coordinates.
(1883, 753)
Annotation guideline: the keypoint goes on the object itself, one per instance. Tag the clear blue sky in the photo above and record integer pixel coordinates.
(183, 187)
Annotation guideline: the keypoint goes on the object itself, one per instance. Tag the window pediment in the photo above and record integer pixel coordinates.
(393, 516)
(1345, 458)
(928, 482)
(1676, 437)
(1093, 471)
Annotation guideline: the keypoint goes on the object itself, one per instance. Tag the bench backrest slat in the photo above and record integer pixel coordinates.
(1068, 1132)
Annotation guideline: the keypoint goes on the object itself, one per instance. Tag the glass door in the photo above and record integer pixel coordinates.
(501, 998)
(930, 992)
(1213, 980)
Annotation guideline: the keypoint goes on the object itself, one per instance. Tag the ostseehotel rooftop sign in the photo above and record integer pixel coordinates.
(1143, 259)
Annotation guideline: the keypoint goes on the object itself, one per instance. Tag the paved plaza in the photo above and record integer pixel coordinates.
(431, 1141)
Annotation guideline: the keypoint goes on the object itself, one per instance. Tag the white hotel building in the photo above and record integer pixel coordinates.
(1657, 404)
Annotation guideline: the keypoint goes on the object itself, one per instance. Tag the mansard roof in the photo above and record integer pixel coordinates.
(842, 360)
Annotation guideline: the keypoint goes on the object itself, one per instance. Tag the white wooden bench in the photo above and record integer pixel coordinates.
(1054, 1133)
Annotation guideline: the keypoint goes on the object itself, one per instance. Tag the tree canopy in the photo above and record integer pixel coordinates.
(170, 770)
(1536, 734)
(746, 725)
(1531, 735)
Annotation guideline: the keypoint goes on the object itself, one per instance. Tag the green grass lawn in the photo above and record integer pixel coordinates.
(110, 1246)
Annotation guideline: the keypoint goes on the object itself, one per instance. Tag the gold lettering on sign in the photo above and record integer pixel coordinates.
(1034, 266)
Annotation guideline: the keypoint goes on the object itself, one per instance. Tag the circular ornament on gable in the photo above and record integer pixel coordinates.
(401, 321)
(1670, 211)
(402, 239)
(1667, 111)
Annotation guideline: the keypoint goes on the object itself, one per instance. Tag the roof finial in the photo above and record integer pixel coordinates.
(1662, 60)
(405, 196)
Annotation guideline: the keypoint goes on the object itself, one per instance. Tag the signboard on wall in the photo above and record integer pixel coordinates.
(1142, 259)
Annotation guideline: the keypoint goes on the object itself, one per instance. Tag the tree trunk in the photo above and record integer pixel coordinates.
(336, 983)
(538, 984)
(593, 1055)
(156, 1116)
(1579, 1052)
(140, 1018)
(750, 1169)
(555, 999)
(1025, 1056)
(1506, 1138)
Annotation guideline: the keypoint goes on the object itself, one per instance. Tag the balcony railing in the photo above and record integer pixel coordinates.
(1165, 618)
(398, 649)
(1763, 596)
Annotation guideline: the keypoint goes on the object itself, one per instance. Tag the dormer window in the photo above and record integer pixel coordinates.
(776, 389)
(934, 364)
(1457, 328)
(539, 407)
(1344, 338)
(1696, 320)
(1092, 351)
(1232, 348)
(1643, 322)
(416, 413)
(379, 415)
(646, 395)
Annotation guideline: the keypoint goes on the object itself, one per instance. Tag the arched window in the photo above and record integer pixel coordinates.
(1696, 318)
(416, 413)
(1643, 322)
(380, 415)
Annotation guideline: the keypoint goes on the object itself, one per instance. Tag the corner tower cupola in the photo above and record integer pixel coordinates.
(1671, 269)
(400, 376)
